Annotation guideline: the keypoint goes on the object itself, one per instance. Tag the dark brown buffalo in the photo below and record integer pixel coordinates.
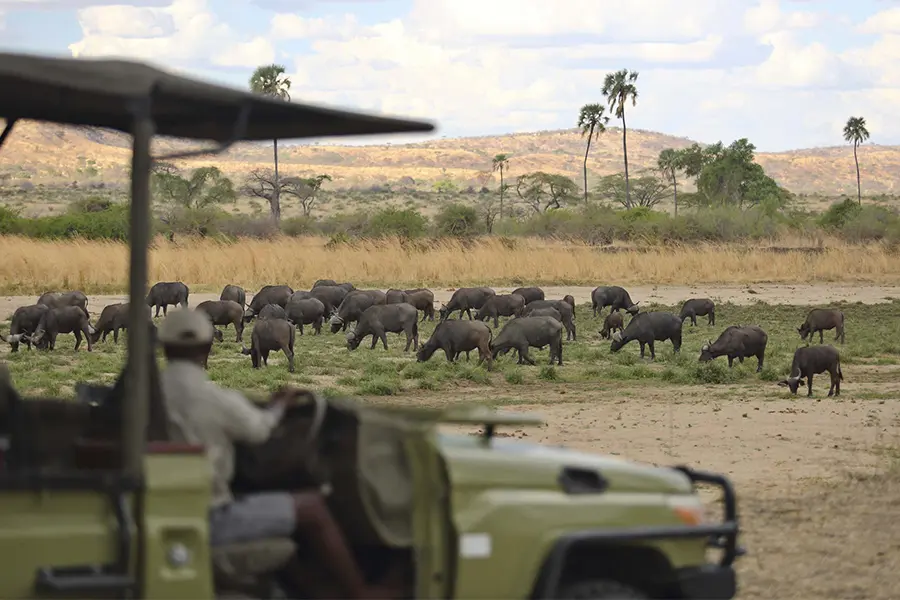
(235, 293)
(738, 342)
(112, 319)
(564, 309)
(167, 293)
(268, 294)
(464, 300)
(380, 319)
(614, 297)
(24, 322)
(454, 336)
(612, 323)
(820, 319)
(421, 298)
(272, 311)
(570, 300)
(66, 319)
(501, 305)
(535, 332)
(812, 360)
(60, 299)
(352, 308)
(225, 312)
(271, 335)
(306, 311)
(529, 293)
(699, 307)
(648, 328)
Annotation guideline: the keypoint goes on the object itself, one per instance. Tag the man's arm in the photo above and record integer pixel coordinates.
(243, 420)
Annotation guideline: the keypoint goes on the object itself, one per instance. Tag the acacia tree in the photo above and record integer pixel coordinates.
(500, 162)
(618, 88)
(592, 123)
(204, 187)
(856, 133)
(669, 163)
(545, 191)
(305, 190)
(647, 190)
(270, 80)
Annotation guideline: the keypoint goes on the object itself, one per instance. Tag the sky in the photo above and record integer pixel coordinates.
(785, 74)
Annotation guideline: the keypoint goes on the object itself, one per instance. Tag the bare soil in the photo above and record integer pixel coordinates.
(800, 294)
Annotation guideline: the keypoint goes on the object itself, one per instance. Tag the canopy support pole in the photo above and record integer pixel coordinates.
(137, 384)
(7, 130)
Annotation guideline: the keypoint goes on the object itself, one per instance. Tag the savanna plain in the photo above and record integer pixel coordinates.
(818, 479)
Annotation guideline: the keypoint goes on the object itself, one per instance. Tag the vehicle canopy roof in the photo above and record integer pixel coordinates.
(110, 93)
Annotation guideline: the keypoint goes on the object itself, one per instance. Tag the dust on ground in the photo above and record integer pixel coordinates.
(800, 294)
(818, 480)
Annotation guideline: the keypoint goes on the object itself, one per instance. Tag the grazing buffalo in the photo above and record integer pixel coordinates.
(306, 311)
(272, 311)
(23, 324)
(820, 319)
(500, 305)
(464, 300)
(380, 319)
(613, 296)
(112, 319)
(166, 293)
(699, 307)
(234, 293)
(570, 300)
(421, 298)
(329, 295)
(225, 312)
(352, 308)
(60, 299)
(738, 342)
(66, 319)
(271, 335)
(268, 294)
(812, 360)
(612, 323)
(565, 310)
(649, 328)
(547, 311)
(454, 337)
(529, 293)
(524, 332)
(347, 287)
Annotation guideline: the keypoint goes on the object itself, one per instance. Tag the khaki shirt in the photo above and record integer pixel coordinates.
(200, 412)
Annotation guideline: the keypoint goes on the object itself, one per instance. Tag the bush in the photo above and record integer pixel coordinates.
(400, 223)
(457, 220)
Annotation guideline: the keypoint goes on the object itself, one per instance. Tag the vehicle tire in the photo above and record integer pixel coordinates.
(601, 589)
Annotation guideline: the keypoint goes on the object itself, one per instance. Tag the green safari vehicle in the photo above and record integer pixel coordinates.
(96, 502)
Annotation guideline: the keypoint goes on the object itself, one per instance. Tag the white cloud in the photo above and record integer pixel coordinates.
(257, 51)
(886, 21)
(125, 21)
(767, 17)
(288, 26)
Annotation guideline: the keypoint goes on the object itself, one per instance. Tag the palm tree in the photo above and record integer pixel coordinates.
(856, 133)
(669, 163)
(270, 80)
(592, 122)
(618, 87)
(501, 163)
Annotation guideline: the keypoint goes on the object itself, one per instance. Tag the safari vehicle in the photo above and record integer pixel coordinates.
(96, 501)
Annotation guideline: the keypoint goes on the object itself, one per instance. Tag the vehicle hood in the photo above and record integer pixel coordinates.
(505, 463)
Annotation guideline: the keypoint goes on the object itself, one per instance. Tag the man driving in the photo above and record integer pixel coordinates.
(200, 412)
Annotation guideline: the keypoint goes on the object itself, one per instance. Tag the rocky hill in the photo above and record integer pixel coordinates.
(54, 155)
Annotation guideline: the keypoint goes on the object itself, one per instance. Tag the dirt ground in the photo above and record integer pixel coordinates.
(818, 480)
(801, 294)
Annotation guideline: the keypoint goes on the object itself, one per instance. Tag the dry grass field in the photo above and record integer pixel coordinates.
(32, 266)
(49, 154)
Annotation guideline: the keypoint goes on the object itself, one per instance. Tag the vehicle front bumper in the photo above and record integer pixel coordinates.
(709, 582)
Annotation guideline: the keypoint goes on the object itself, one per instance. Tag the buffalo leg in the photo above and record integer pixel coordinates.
(448, 352)
(77, 335)
(759, 361)
(265, 357)
(239, 330)
(290, 356)
(839, 334)
(383, 337)
(652, 345)
(837, 381)
(693, 320)
(300, 326)
(165, 310)
(809, 385)
(408, 341)
(496, 321)
(523, 355)
(741, 358)
(642, 348)
(484, 354)
(52, 344)
(821, 336)
(712, 318)
(730, 361)
(87, 336)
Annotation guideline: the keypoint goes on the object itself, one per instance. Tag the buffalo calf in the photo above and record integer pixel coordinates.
(699, 307)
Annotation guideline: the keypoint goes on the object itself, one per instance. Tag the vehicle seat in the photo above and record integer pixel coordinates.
(238, 567)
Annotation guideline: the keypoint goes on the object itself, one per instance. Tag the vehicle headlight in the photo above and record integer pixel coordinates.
(688, 509)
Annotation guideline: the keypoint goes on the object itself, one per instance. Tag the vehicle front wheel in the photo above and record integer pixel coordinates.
(601, 589)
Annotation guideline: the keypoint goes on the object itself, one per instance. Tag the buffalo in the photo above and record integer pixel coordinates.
(306, 311)
(812, 360)
(613, 296)
(225, 312)
(699, 307)
(66, 319)
(23, 324)
(380, 319)
(166, 293)
(329, 295)
(271, 335)
(649, 328)
(464, 300)
(547, 311)
(454, 337)
(522, 333)
(347, 287)
(234, 293)
(112, 319)
(60, 299)
(612, 323)
(268, 294)
(820, 319)
(272, 311)
(737, 342)
(501, 305)
(421, 298)
(352, 308)
(530, 294)
(565, 310)
(570, 300)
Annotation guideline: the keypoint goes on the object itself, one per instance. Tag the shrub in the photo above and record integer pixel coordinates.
(457, 220)
(400, 223)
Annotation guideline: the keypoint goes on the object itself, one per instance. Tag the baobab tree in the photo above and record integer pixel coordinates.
(856, 133)
(592, 123)
(270, 80)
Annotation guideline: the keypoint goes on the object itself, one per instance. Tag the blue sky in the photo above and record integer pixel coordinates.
(786, 74)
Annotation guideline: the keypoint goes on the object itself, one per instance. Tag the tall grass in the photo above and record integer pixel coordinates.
(32, 266)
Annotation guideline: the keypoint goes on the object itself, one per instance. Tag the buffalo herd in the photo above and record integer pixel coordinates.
(533, 321)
